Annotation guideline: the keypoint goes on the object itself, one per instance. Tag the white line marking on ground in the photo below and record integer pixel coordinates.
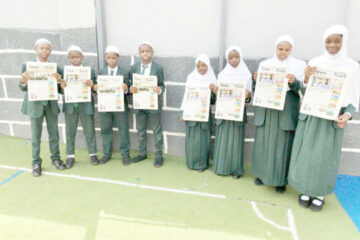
(292, 226)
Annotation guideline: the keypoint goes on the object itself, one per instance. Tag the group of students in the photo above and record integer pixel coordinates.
(307, 159)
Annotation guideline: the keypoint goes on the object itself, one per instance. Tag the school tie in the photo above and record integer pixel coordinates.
(111, 72)
(143, 69)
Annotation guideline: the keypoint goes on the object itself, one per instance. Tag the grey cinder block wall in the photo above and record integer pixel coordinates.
(16, 47)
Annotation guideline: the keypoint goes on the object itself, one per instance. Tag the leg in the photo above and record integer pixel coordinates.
(88, 124)
(122, 123)
(158, 134)
(52, 127)
(36, 130)
(106, 124)
(141, 124)
(71, 124)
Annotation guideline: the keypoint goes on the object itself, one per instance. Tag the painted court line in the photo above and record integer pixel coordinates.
(12, 177)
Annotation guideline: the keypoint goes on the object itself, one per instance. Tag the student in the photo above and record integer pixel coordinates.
(230, 135)
(275, 129)
(119, 119)
(148, 67)
(38, 110)
(83, 111)
(197, 140)
(317, 146)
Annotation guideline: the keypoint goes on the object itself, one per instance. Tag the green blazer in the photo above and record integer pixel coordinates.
(68, 108)
(288, 118)
(156, 70)
(126, 76)
(35, 108)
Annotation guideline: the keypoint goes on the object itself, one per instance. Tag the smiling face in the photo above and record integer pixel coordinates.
(283, 50)
(75, 58)
(333, 44)
(43, 51)
(112, 59)
(234, 58)
(146, 53)
(201, 67)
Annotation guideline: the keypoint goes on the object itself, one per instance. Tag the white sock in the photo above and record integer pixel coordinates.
(71, 156)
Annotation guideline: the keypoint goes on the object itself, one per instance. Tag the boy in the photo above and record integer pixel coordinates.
(120, 119)
(38, 110)
(83, 111)
(147, 67)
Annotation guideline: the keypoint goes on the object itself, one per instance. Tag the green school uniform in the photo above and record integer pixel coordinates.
(316, 153)
(274, 138)
(37, 111)
(118, 119)
(85, 112)
(143, 116)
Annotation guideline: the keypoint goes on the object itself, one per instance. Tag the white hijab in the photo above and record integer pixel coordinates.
(342, 62)
(197, 79)
(239, 73)
(296, 66)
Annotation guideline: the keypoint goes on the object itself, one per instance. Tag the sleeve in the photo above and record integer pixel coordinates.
(295, 87)
(161, 83)
(23, 87)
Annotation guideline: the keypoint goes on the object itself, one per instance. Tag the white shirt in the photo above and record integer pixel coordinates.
(147, 70)
(112, 69)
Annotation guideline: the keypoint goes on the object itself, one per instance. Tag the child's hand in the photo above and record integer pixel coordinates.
(157, 90)
(134, 90)
(25, 77)
(96, 87)
(89, 83)
(213, 88)
(308, 72)
(125, 87)
(291, 78)
(57, 76)
(182, 120)
(63, 84)
(342, 120)
(255, 76)
(247, 94)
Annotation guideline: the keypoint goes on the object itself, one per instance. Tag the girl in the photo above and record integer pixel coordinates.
(317, 145)
(197, 140)
(230, 135)
(275, 129)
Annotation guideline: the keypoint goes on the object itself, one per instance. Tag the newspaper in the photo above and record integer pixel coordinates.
(76, 90)
(230, 101)
(271, 87)
(42, 86)
(325, 93)
(145, 98)
(196, 103)
(110, 94)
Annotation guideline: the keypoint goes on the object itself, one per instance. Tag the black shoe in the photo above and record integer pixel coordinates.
(36, 172)
(236, 175)
(315, 207)
(304, 203)
(280, 189)
(69, 162)
(138, 158)
(104, 159)
(58, 164)
(94, 160)
(258, 182)
(159, 162)
(126, 161)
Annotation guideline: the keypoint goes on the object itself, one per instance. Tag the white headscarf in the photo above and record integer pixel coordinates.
(342, 62)
(297, 66)
(239, 73)
(197, 79)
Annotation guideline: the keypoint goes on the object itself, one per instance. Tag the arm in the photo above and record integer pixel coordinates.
(24, 78)
(161, 81)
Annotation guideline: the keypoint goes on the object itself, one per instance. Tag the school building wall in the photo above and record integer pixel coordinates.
(179, 30)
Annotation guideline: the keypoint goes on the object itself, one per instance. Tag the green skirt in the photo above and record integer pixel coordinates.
(272, 150)
(229, 148)
(315, 156)
(197, 146)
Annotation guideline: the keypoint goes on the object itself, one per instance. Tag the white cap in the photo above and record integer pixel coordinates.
(42, 40)
(145, 43)
(112, 49)
(74, 48)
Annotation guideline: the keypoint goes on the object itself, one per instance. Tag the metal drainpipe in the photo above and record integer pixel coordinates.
(100, 33)
(223, 17)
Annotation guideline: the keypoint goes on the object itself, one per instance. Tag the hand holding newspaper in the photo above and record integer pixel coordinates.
(145, 98)
(76, 90)
(110, 93)
(196, 103)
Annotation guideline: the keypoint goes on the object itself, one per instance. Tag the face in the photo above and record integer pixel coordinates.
(75, 58)
(146, 53)
(43, 51)
(283, 50)
(234, 58)
(112, 59)
(333, 44)
(201, 67)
